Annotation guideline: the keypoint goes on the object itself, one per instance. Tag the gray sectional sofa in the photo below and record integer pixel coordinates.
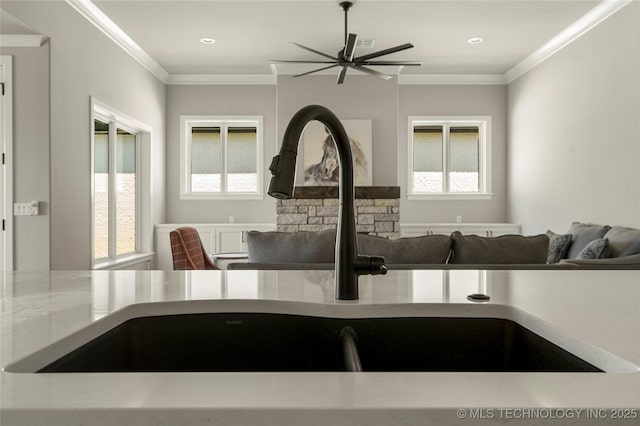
(584, 246)
(593, 246)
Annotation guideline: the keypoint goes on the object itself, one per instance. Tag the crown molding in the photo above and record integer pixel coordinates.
(22, 40)
(101, 21)
(567, 36)
(222, 79)
(453, 79)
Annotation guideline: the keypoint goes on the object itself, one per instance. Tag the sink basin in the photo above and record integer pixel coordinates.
(280, 342)
(263, 336)
(211, 342)
(459, 344)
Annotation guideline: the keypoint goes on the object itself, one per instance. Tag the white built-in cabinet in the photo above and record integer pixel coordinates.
(216, 238)
(481, 229)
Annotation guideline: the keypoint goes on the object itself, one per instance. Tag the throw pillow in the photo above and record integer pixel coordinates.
(425, 249)
(583, 234)
(558, 246)
(623, 241)
(596, 249)
(505, 249)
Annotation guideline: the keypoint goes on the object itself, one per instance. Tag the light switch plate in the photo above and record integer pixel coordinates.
(32, 208)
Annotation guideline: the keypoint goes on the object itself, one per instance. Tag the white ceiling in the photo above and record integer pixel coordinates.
(250, 33)
(11, 25)
(164, 35)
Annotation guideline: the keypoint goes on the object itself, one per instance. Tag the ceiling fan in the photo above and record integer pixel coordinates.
(345, 58)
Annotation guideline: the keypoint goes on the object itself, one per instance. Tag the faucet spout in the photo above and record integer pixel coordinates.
(349, 265)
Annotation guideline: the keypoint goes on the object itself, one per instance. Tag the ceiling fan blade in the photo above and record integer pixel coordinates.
(405, 63)
(372, 72)
(314, 51)
(350, 47)
(383, 52)
(279, 61)
(316, 70)
(342, 75)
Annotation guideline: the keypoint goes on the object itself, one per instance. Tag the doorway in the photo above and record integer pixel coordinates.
(6, 174)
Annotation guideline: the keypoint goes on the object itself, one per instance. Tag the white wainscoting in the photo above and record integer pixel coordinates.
(216, 238)
(482, 229)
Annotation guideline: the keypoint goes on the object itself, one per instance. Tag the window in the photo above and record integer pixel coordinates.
(221, 157)
(116, 187)
(449, 157)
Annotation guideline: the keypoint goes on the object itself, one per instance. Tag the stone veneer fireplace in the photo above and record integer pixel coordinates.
(315, 208)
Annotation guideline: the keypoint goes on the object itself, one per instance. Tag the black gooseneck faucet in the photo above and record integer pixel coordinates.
(349, 265)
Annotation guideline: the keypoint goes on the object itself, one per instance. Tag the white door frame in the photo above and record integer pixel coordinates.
(6, 175)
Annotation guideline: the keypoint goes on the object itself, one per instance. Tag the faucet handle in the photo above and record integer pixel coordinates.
(370, 265)
(377, 266)
(273, 167)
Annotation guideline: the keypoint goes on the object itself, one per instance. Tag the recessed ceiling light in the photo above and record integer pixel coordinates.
(207, 40)
(475, 40)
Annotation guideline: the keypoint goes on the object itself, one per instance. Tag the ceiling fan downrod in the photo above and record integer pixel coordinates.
(345, 5)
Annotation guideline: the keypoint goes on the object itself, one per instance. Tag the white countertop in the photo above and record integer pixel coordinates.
(598, 308)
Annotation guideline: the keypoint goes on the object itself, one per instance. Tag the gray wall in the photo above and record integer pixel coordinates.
(388, 105)
(85, 63)
(455, 100)
(574, 132)
(218, 100)
(31, 155)
(385, 103)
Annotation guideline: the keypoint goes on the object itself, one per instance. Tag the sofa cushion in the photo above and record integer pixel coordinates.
(429, 249)
(623, 241)
(558, 246)
(583, 234)
(596, 249)
(319, 247)
(505, 249)
(291, 247)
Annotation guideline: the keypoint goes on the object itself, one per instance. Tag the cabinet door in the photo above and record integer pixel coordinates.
(490, 230)
(412, 233)
(479, 231)
(231, 240)
(427, 230)
(443, 230)
(505, 230)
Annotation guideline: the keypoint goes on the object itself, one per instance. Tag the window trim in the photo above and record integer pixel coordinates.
(103, 112)
(484, 178)
(189, 121)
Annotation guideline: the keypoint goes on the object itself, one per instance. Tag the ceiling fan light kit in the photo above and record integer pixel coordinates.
(346, 58)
